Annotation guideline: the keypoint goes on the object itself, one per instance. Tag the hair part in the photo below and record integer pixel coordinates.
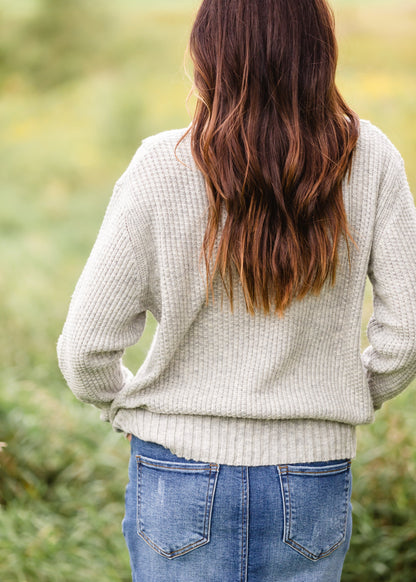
(274, 140)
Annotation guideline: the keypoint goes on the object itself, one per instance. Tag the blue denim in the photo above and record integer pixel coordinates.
(189, 521)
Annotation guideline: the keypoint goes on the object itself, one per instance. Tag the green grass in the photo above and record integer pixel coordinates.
(73, 110)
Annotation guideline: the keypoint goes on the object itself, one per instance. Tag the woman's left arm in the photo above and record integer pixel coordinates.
(107, 311)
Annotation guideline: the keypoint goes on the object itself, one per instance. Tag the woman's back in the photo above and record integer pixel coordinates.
(216, 385)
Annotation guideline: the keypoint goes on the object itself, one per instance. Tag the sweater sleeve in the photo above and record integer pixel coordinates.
(390, 360)
(107, 312)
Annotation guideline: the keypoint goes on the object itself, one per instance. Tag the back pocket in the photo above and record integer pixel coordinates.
(316, 501)
(174, 504)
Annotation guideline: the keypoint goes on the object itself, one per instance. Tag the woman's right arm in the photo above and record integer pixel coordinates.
(390, 360)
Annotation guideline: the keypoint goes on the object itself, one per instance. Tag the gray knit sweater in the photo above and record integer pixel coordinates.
(229, 387)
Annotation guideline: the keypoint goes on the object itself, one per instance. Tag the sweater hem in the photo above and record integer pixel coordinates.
(241, 441)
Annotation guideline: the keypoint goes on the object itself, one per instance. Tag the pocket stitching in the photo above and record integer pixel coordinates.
(284, 470)
(170, 467)
(212, 481)
(206, 505)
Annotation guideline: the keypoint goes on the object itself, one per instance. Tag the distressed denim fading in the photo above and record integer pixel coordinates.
(189, 521)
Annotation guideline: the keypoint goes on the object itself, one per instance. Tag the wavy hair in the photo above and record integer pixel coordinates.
(274, 140)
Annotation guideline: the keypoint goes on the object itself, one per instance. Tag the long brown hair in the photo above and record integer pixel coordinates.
(274, 139)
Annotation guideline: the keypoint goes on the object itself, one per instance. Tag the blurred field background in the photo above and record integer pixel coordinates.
(82, 83)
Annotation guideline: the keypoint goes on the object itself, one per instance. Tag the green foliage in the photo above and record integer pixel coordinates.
(82, 83)
(54, 41)
(383, 546)
(62, 480)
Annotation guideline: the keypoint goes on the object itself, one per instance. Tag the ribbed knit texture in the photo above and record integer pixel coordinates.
(229, 387)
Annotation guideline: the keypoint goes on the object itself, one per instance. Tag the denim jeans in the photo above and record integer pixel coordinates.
(188, 521)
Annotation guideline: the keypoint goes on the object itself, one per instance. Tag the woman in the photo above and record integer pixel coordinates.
(242, 417)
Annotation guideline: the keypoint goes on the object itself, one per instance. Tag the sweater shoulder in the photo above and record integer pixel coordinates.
(160, 178)
(374, 142)
(158, 165)
(161, 157)
(164, 149)
(380, 166)
(164, 138)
